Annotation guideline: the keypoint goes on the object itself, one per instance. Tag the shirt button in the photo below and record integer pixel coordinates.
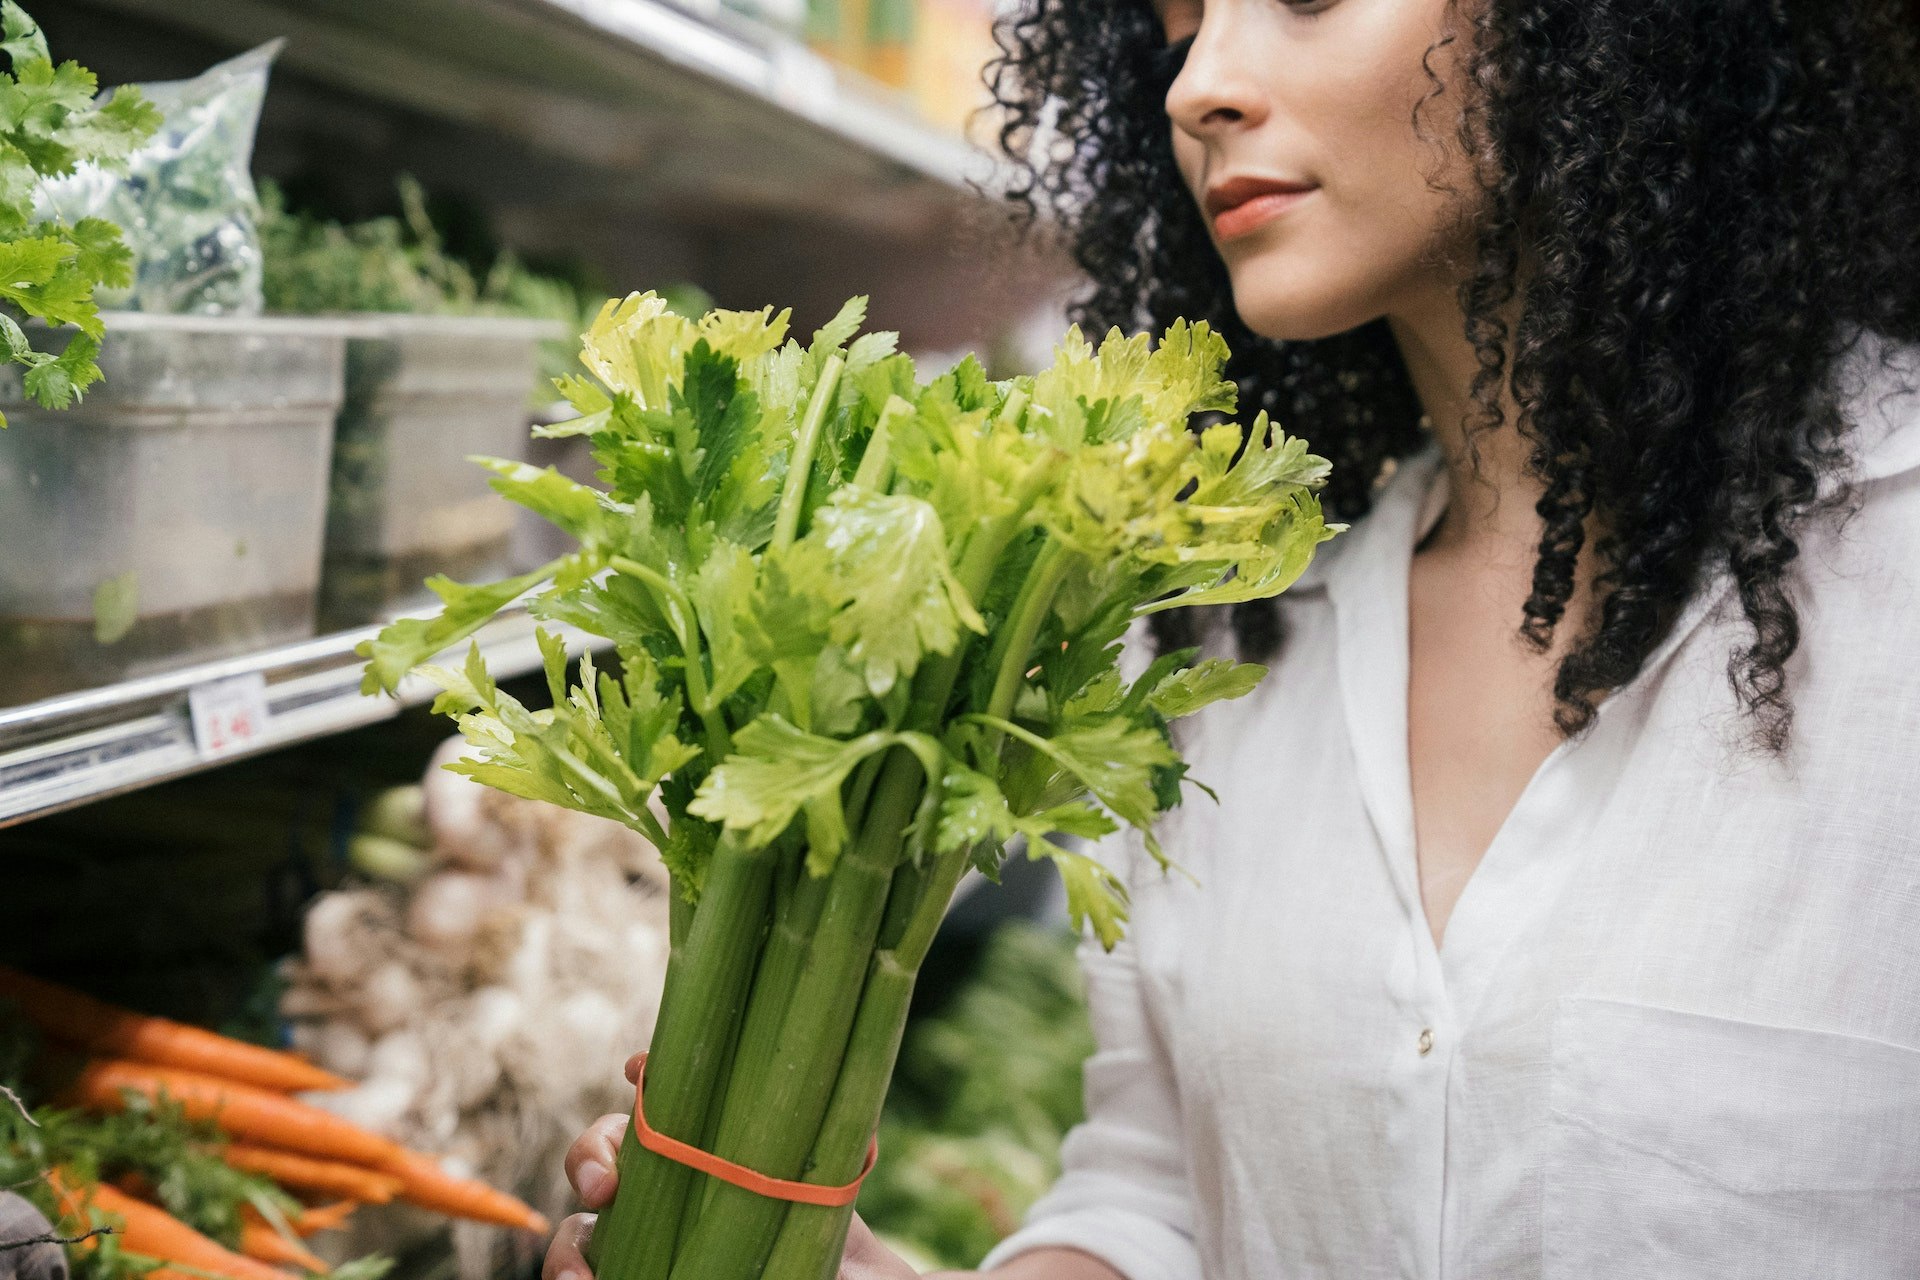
(1426, 1041)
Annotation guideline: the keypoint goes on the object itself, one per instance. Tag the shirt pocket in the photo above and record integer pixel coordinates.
(1687, 1147)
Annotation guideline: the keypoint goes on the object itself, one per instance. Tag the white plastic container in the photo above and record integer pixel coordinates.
(176, 513)
(424, 394)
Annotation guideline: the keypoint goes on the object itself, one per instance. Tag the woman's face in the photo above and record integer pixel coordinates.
(1293, 125)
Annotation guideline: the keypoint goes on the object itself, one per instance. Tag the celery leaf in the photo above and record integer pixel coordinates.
(880, 562)
(404, 645)
(1217, 679)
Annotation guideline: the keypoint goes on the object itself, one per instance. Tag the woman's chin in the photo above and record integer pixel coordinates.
(1290, 314)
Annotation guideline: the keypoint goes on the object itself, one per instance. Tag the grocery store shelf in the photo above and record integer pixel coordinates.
(68, 750)
(669, 109)
(630, 141)
(783, 74)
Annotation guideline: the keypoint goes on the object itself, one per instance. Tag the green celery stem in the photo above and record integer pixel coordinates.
(634, 1238)
(788, 1038)
(800, 467)
(729, 1063)
(733, 1237)
(918, 938)
(1029, 614)
(1014, 407)
(862, 788)
(977, 563)
(679, 916)
(773, 987)
(812, 1238)
(901, 903)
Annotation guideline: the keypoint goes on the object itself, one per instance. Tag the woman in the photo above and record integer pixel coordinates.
(1557, 920)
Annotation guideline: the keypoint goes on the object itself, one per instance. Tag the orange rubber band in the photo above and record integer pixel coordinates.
(727, 1171)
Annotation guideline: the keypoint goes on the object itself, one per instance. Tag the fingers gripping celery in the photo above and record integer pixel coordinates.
(867, 628)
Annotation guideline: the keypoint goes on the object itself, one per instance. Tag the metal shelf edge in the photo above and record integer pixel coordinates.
(69, 751)
(785, 76)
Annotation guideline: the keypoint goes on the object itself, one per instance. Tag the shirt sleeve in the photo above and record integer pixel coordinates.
(1123, 1194)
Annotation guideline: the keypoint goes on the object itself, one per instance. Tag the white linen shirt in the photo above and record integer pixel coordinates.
(1673, 1031)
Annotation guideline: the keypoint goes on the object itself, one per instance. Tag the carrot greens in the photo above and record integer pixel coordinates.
(176, 1157)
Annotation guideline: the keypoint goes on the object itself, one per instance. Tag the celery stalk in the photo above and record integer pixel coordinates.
(811, 1237)
(773, 1130)
(635, 1237)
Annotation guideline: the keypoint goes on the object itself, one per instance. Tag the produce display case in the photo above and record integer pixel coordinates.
(423, 395)
(662, 143)
(176, 513)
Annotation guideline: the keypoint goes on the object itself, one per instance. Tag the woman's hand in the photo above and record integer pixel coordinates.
(591, 1161)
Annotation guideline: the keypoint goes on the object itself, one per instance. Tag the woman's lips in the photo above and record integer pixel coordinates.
(1244, 205)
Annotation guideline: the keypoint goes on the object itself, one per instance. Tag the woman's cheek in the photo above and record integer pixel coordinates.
(1317, 280)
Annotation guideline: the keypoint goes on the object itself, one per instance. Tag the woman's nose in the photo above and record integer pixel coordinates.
(1219, 86)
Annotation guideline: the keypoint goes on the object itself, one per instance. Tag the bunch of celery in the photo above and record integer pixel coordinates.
(867, 630)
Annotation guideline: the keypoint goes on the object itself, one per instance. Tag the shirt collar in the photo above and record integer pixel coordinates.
(1414, 489)
(1879, 386)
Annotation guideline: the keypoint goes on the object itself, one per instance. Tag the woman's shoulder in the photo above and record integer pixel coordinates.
(1856, 579)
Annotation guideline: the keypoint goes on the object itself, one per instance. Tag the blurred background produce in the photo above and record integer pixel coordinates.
(484, 997)
(297, 229)
(987, 1086)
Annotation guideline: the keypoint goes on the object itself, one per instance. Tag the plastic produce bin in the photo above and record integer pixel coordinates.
(176, 513)
(424, 394)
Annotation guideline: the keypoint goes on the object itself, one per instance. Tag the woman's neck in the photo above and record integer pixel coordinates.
(1492, 522)
(1493, 493)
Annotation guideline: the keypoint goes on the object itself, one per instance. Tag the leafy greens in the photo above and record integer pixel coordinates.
(49, 269)
(806, 557)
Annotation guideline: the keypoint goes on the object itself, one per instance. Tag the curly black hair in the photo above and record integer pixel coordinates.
(1696, 209)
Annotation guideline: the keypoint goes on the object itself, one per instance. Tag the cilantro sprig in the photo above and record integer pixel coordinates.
(50, 123)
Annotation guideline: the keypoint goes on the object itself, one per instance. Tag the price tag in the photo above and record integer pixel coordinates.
(229, 715)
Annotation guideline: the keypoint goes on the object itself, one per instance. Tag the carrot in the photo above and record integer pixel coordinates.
(310, 1221)
(261, 1241)
(151, 1232)
(243, 1111)
(74, 1017)
(426, 1184)
(323, 1217)
(304, 1173)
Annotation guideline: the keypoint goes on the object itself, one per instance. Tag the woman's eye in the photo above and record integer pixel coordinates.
(1307, 8)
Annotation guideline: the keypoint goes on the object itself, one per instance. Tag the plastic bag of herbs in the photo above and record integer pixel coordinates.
(867, 628)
